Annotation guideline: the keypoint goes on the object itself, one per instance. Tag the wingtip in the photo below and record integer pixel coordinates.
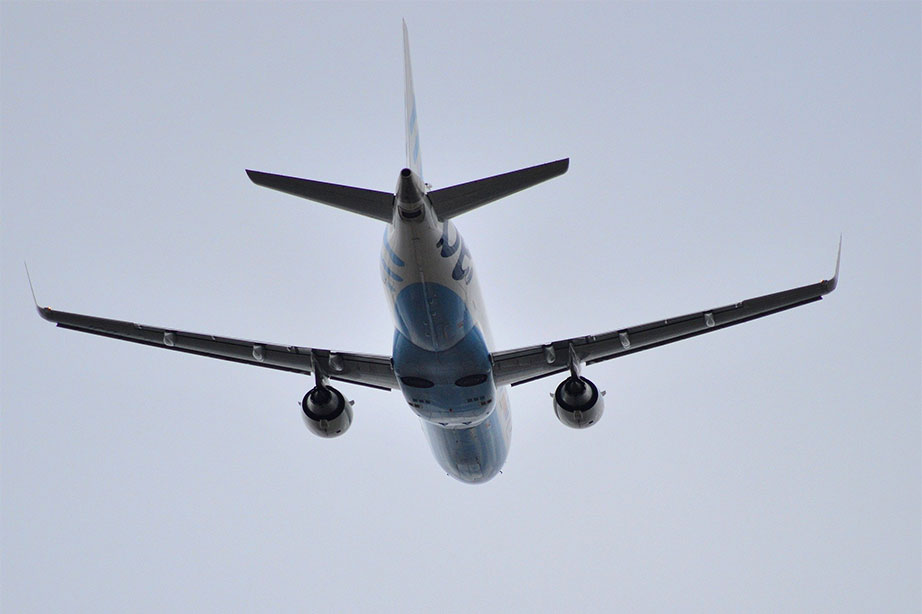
(44, 312)
(832, 283)
(29, 278)
(839, 255)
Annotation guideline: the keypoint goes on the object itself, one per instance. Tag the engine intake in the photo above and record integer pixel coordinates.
(326, 411)
(578, 402)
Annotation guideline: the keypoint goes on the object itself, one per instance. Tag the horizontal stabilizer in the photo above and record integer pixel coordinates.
(379, 205)
(461, 198)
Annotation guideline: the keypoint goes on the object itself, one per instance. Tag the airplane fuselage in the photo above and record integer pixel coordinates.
(442, 341)
(443, 360)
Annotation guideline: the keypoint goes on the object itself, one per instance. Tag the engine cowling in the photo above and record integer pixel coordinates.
(578, 402)
(326, 411)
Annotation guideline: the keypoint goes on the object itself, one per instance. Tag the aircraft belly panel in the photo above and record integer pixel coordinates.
(474, 454)
(442, 346)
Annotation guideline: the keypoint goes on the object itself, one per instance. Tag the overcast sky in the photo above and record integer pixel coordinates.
(717, 151)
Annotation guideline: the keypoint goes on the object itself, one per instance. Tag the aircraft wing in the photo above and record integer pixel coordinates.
(364, 369)
(523, 365)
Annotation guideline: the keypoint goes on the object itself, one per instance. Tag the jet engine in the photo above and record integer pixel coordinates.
(326, 411)
(578, 402)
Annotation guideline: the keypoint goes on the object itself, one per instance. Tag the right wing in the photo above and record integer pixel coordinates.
(363, 369)
(523, 365)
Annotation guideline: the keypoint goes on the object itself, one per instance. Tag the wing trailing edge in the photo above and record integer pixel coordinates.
(363, 369)
(522, 365)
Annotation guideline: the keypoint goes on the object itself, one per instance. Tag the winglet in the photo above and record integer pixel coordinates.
(42, 311)
(29, 277)
(832, 283)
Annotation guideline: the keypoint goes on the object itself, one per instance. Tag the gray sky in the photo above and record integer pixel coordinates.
(717, 151)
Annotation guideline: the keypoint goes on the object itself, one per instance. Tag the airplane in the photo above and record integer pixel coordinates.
(443, 359)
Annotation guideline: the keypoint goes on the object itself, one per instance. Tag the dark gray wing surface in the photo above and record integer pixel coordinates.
(370, 203)
(461, 198)
(531, 363)
(364, 369)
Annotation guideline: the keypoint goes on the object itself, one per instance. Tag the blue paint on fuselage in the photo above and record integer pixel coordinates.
(432, 316)
(390, 252)
(467, 425)
(441, 351)
(445, 388)
(476, 454)
(390, 273)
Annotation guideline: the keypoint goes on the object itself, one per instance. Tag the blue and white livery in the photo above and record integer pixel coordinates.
(443, 359)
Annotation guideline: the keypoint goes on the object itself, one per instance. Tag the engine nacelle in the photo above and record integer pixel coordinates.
(326, 411)
(578, 402)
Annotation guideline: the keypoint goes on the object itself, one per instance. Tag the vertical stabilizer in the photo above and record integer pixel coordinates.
(414, 161)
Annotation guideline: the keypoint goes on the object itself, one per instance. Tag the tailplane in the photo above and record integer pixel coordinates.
(371, 203)
(446, 202)
(461, 198)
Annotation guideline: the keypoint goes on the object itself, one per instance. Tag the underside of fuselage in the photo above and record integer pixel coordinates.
(441, 350)
(473, 454)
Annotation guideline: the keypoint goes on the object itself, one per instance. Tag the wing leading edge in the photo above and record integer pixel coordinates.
(523, 365)
(363, 369)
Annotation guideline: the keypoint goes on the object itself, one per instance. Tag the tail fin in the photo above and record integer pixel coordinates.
(414, 161)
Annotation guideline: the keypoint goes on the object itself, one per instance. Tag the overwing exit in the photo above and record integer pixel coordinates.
(442, 360)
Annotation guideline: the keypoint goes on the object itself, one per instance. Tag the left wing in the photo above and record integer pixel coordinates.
(457, 199)
(523, 365)
(364, 369)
